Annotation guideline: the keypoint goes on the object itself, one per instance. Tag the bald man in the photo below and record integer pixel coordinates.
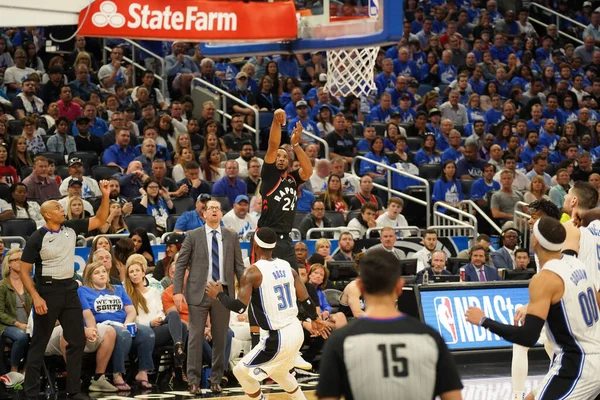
(52, 249)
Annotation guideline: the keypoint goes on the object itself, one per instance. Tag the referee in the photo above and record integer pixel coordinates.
(52, 250)
(386, 352)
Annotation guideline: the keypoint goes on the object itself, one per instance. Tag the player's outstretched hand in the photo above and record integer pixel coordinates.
(321, 328)
(279, 116)
(474, 315)
(519, 318)
(105, 187)
(213, 289)
(297, 133)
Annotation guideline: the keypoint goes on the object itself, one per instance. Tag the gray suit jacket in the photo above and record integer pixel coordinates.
(194, 255)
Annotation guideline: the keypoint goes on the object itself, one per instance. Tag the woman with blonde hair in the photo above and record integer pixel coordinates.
(537, 190)
(168, 329)
(75, 209)
(15, 306)
(85, 59)
(185, 155)
(115, 223)
(323, 248)
(212, 142)
(104, 303)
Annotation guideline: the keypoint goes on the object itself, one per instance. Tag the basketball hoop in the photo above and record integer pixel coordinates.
(351, 71)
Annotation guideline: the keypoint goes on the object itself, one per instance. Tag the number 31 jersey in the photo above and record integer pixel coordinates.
(274, 302)
(573, 322)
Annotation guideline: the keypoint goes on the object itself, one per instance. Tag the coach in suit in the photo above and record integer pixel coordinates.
(212, 253)
(477, 270)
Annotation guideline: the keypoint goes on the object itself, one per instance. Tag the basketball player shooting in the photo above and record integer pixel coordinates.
(562, 297)
(272, 288)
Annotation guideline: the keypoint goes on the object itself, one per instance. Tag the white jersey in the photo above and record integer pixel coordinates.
(572, 324)
(274, 302)
(589, 251)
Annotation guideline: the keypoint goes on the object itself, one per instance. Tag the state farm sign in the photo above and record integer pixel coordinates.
(191, 20)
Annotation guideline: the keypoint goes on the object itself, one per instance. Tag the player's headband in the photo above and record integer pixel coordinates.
(264, 245)
(543, 241)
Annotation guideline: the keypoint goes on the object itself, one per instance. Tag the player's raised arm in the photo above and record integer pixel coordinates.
(306, 169)
(252, 278)
(545, 289)
(275, 136)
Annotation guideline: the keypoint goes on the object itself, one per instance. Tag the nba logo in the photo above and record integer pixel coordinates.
(373, 8)
(445, 319)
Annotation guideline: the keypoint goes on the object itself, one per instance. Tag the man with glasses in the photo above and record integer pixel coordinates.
(221, 246)
(81, 87)
(114, 73)
(235, 139)
(316, 219)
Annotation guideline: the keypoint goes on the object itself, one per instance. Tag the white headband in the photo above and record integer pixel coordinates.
(543, 241)
(264, 245)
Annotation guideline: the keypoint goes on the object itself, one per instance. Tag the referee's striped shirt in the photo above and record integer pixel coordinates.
(386, 359)
(52, 253)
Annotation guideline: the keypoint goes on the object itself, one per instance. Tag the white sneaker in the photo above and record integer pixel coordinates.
(102, 385)
(302, 363)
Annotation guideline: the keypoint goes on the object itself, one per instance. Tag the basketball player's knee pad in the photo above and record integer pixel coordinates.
(286, 381)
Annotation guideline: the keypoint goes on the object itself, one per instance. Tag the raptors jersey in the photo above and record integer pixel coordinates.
(274, 302)
(573, 323)
(589, 251)
(279, 198)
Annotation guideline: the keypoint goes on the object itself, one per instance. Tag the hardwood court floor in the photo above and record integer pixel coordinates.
(273, 396)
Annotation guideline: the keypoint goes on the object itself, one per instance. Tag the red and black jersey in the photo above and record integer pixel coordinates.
(279, 197)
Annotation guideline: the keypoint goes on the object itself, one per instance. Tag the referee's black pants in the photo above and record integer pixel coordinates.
(63, 305)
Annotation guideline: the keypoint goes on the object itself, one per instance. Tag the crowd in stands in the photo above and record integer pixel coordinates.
(481, 103)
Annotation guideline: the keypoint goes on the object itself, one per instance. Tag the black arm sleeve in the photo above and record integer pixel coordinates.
(526, 335)
(232, 304)
(310, 309)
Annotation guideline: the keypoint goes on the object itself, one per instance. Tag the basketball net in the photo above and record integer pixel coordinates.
(351, 71)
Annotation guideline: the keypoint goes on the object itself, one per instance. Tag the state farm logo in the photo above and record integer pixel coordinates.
(178, 18)
(108, 15)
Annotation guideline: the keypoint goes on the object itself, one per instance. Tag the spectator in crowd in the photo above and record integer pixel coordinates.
(305, 199)
(142, 246)
(453, 110)
(114, 73)
(155, 201)
(39, 185)
(558, 192)
(16, 75)
(345, 250)
(454, 151)
(477, 270)
(520, 181)
(8, 173)
(74, 190)
(365, 195)
(364, 221)
(447, 189)
(211, 166)
(341, 143)
(505, 256)
(388, 240)
(159, 172)
(62, 142)
(84, 141)
(115, 223)
(132, 181)
(195, 185)
(481, 239)
(316, 219)
(184, 156)
(21, 207)
(82, 87)
(193, 219)
(437, 266)
(238, 219)
(393, 217)
(230, 185)
(423, 256)
(115, 195)
(16, 307)
(334, 196)
(121, 153)
(242, 92)
(35, 143)
(27, 103)
(121, 310)
(318, 276)
(253, 179)
(522, 259)
(537, 190)
(540, 162)
(173, 242)
(471, 166)
(246, 154)
(237, 137)
(318, 180)
(502, 203)
(428, 154)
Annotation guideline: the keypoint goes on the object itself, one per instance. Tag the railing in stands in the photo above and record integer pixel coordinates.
(223, 112)
(13, 239)
(472, 206)
(521, 222)
(162, 77)
(320, 140)
(294, 235)
(456, 230)
(558, 16)
(335, 230)
(443, 220)
(412, 229)
(389, 189)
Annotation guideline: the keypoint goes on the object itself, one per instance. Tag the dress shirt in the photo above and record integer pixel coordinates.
(209, 240)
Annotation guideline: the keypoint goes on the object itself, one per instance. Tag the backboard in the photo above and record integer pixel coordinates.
(326, 24)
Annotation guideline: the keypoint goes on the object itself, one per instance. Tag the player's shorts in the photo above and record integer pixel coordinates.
(276, 352)
(53, 347)
(571, 376)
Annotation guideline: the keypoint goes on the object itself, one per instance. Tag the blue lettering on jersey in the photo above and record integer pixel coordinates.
(279, 274)
(578, 275)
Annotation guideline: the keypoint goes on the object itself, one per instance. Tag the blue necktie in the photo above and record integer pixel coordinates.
(216, 274)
